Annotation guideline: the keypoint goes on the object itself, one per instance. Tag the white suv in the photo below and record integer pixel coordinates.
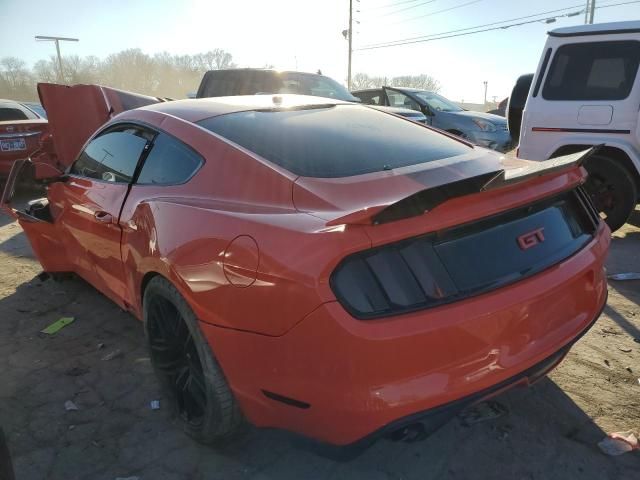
(586, 92)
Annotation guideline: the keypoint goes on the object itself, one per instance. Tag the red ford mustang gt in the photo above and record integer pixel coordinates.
(312, 264)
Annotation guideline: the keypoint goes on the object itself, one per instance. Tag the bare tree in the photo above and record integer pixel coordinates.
(216, 59)
(81, 70)
(45, 70)
(361, 81)
(423, 82)
(162, 74)
(130, 69)
(16, 80)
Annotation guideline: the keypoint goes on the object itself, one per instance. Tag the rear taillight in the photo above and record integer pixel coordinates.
(392, 278)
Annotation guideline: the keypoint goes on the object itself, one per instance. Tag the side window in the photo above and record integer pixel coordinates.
(397, 99)
(169, 162)
(370, 98)
(593, 71)
(111, 157)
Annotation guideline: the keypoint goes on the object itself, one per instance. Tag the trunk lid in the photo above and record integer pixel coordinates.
(386, 196)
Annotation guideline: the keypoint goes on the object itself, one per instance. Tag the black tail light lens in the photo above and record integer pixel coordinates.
(459, 262)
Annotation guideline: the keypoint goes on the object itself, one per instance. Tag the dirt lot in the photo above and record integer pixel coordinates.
(551, 430)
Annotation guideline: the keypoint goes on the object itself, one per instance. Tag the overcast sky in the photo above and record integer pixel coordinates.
(306, 34)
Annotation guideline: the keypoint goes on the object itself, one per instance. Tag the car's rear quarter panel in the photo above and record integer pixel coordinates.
(183, 232)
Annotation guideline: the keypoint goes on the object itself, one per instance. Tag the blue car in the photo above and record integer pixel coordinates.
(484, 129)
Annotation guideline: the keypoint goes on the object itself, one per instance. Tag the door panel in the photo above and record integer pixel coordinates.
(87, 223)
(88, 205)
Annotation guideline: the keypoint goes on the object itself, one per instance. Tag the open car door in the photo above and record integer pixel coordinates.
(42, 193)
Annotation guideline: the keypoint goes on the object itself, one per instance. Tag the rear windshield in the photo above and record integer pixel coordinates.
(13, 111)
(251, 82)
(334, 141)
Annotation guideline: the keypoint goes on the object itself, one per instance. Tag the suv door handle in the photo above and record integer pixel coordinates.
(103, 217)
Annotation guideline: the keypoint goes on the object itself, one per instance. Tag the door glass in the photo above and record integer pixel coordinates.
(169, 162)
(397, 99)
(111, 157)
(593, 71)
(369, 98)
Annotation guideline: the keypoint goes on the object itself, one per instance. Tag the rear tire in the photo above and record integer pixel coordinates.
(612, 189)
(186, 367)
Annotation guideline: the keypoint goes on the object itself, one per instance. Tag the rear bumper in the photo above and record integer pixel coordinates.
(434, 418)
(356, 380)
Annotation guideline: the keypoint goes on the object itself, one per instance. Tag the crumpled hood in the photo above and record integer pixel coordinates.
(76, 112)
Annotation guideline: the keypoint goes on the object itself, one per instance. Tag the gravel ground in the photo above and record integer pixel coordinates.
(551, 429)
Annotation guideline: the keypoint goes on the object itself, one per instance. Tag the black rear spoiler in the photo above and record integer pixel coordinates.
(426, 200)
(537, 169)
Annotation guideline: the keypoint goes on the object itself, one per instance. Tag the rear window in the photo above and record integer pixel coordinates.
(12, 112)
(335, 141)
(224, 83)
(593, 71)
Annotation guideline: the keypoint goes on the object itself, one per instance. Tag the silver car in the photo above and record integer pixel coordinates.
(484, 129)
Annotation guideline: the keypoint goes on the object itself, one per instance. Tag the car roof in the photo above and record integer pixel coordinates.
(5, 103)
(194, 110)
(267, 70)
(597, 29)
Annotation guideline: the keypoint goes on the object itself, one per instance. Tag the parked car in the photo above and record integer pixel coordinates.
(483, 129)
(21, 129)
(256, 81)
(313, 264)
(36, 108)
(501, 111)
(252, 81)
(586, 92)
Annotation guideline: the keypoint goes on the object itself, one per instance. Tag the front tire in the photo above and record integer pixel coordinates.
(186, 367)
(612, 189)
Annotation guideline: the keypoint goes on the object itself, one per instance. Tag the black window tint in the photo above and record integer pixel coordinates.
(400, 100)
(169, 162)
(10, 111)
(370, 98)
(241, 82)
(252, 82)
(311, 84)
(593, 71)
(110, 157)
(10, 114)
(337, 141)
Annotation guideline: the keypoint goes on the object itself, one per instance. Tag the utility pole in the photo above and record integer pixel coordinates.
(590, 11)
(350, 43)
(58, 40)
(485, 91)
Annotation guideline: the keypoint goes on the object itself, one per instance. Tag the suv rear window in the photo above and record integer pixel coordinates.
(334, 141)
(222, 83)
(593, 71)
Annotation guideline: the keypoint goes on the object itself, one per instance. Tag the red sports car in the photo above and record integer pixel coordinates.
(21, 129)
(312, 264)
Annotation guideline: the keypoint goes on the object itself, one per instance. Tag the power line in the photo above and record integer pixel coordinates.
(406, 8)
(477, 26)
(395, 4)
(454, 33)
(455, 7)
